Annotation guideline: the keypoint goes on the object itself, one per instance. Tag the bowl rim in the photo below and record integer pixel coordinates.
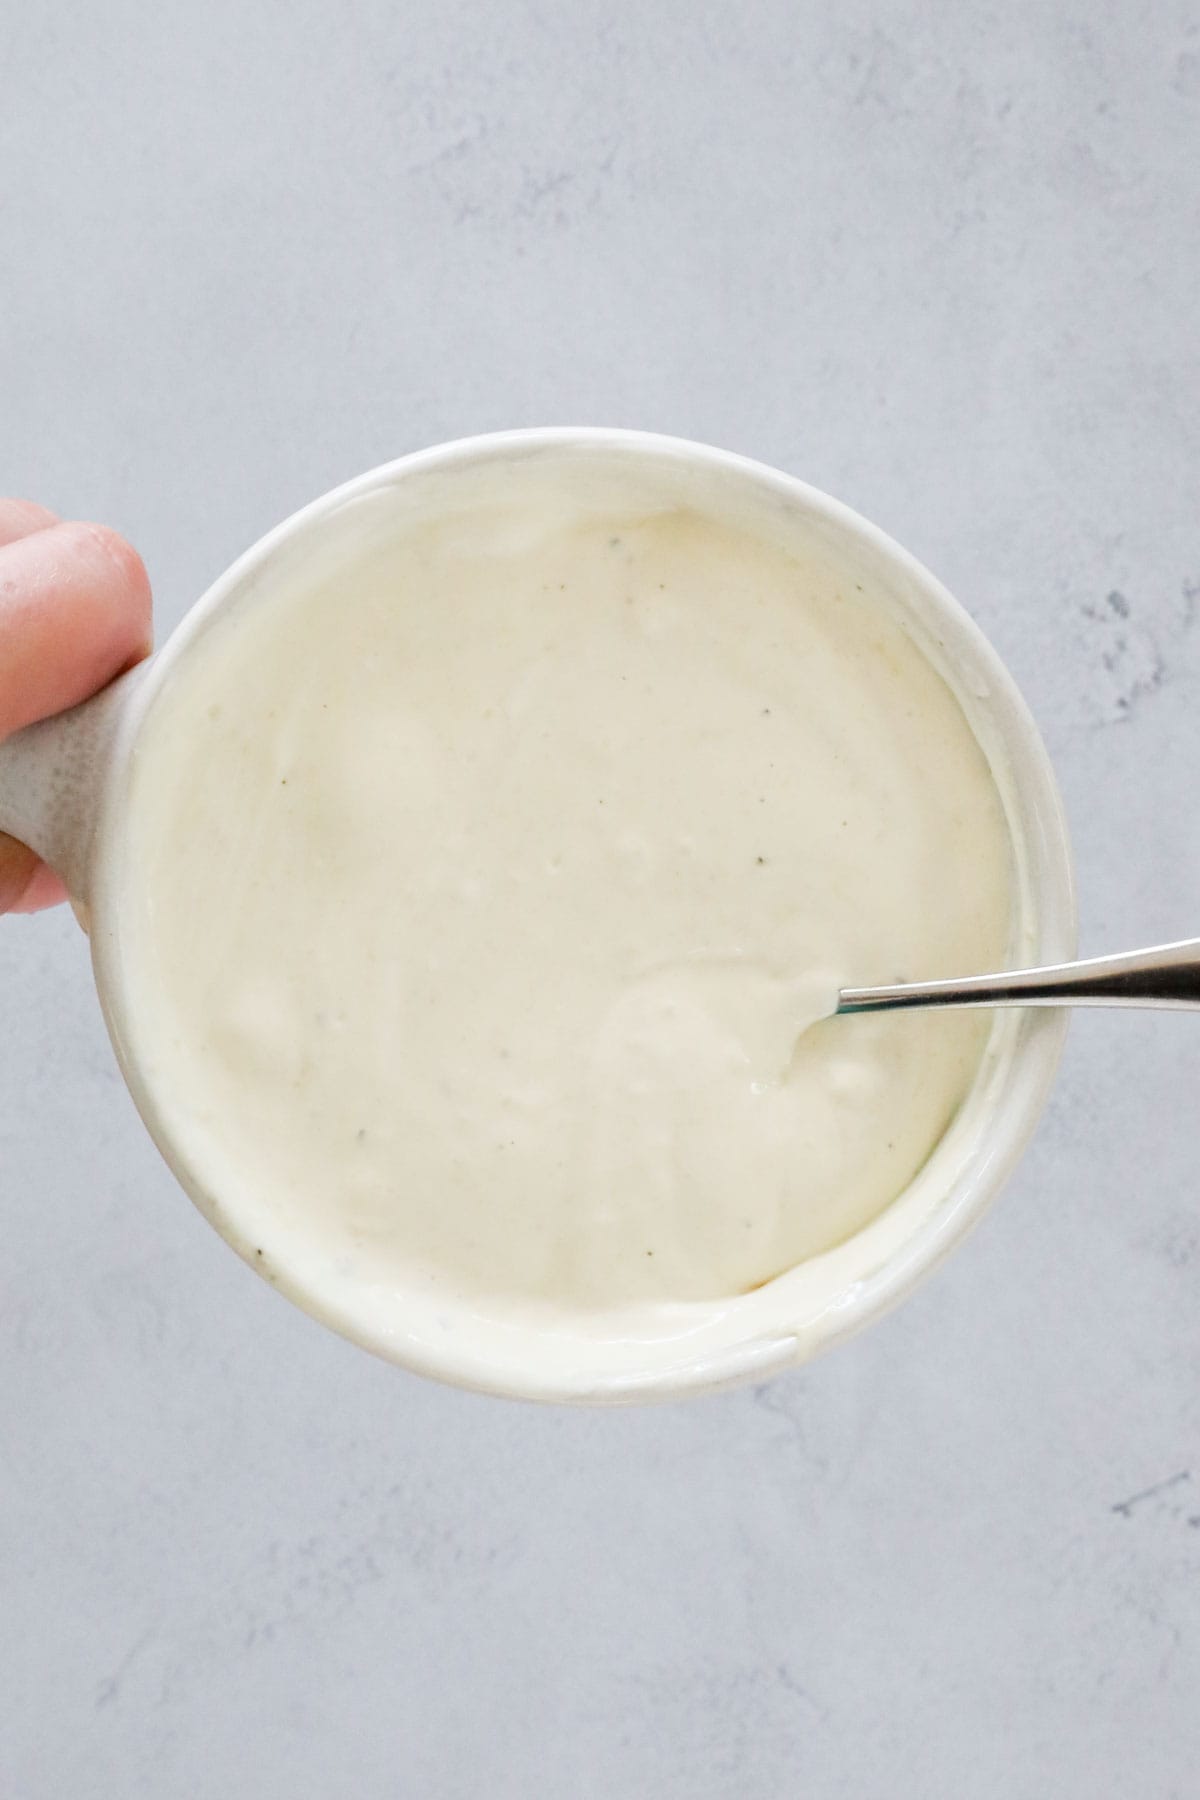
(1044, 846)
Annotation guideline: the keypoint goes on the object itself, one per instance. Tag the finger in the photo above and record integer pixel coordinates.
(26, 885)
(18, 866)
(43, 889)
(18, 518)
(74, 612)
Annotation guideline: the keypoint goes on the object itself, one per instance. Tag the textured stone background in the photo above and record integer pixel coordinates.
(943, 261)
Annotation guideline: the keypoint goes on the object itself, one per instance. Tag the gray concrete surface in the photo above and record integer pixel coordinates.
(943, 261)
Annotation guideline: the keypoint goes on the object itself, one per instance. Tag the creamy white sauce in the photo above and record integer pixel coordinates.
(481, 900)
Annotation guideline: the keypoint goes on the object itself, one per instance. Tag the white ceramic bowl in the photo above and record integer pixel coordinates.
(63, 789)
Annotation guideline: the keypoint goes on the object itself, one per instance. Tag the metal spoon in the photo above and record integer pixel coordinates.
(1168, 975)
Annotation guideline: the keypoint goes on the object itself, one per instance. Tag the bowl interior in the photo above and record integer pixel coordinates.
(820, 1301)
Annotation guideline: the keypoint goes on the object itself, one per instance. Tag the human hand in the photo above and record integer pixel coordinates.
(74, 612)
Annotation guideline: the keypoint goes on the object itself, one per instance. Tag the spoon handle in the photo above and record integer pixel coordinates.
(1168, 975)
